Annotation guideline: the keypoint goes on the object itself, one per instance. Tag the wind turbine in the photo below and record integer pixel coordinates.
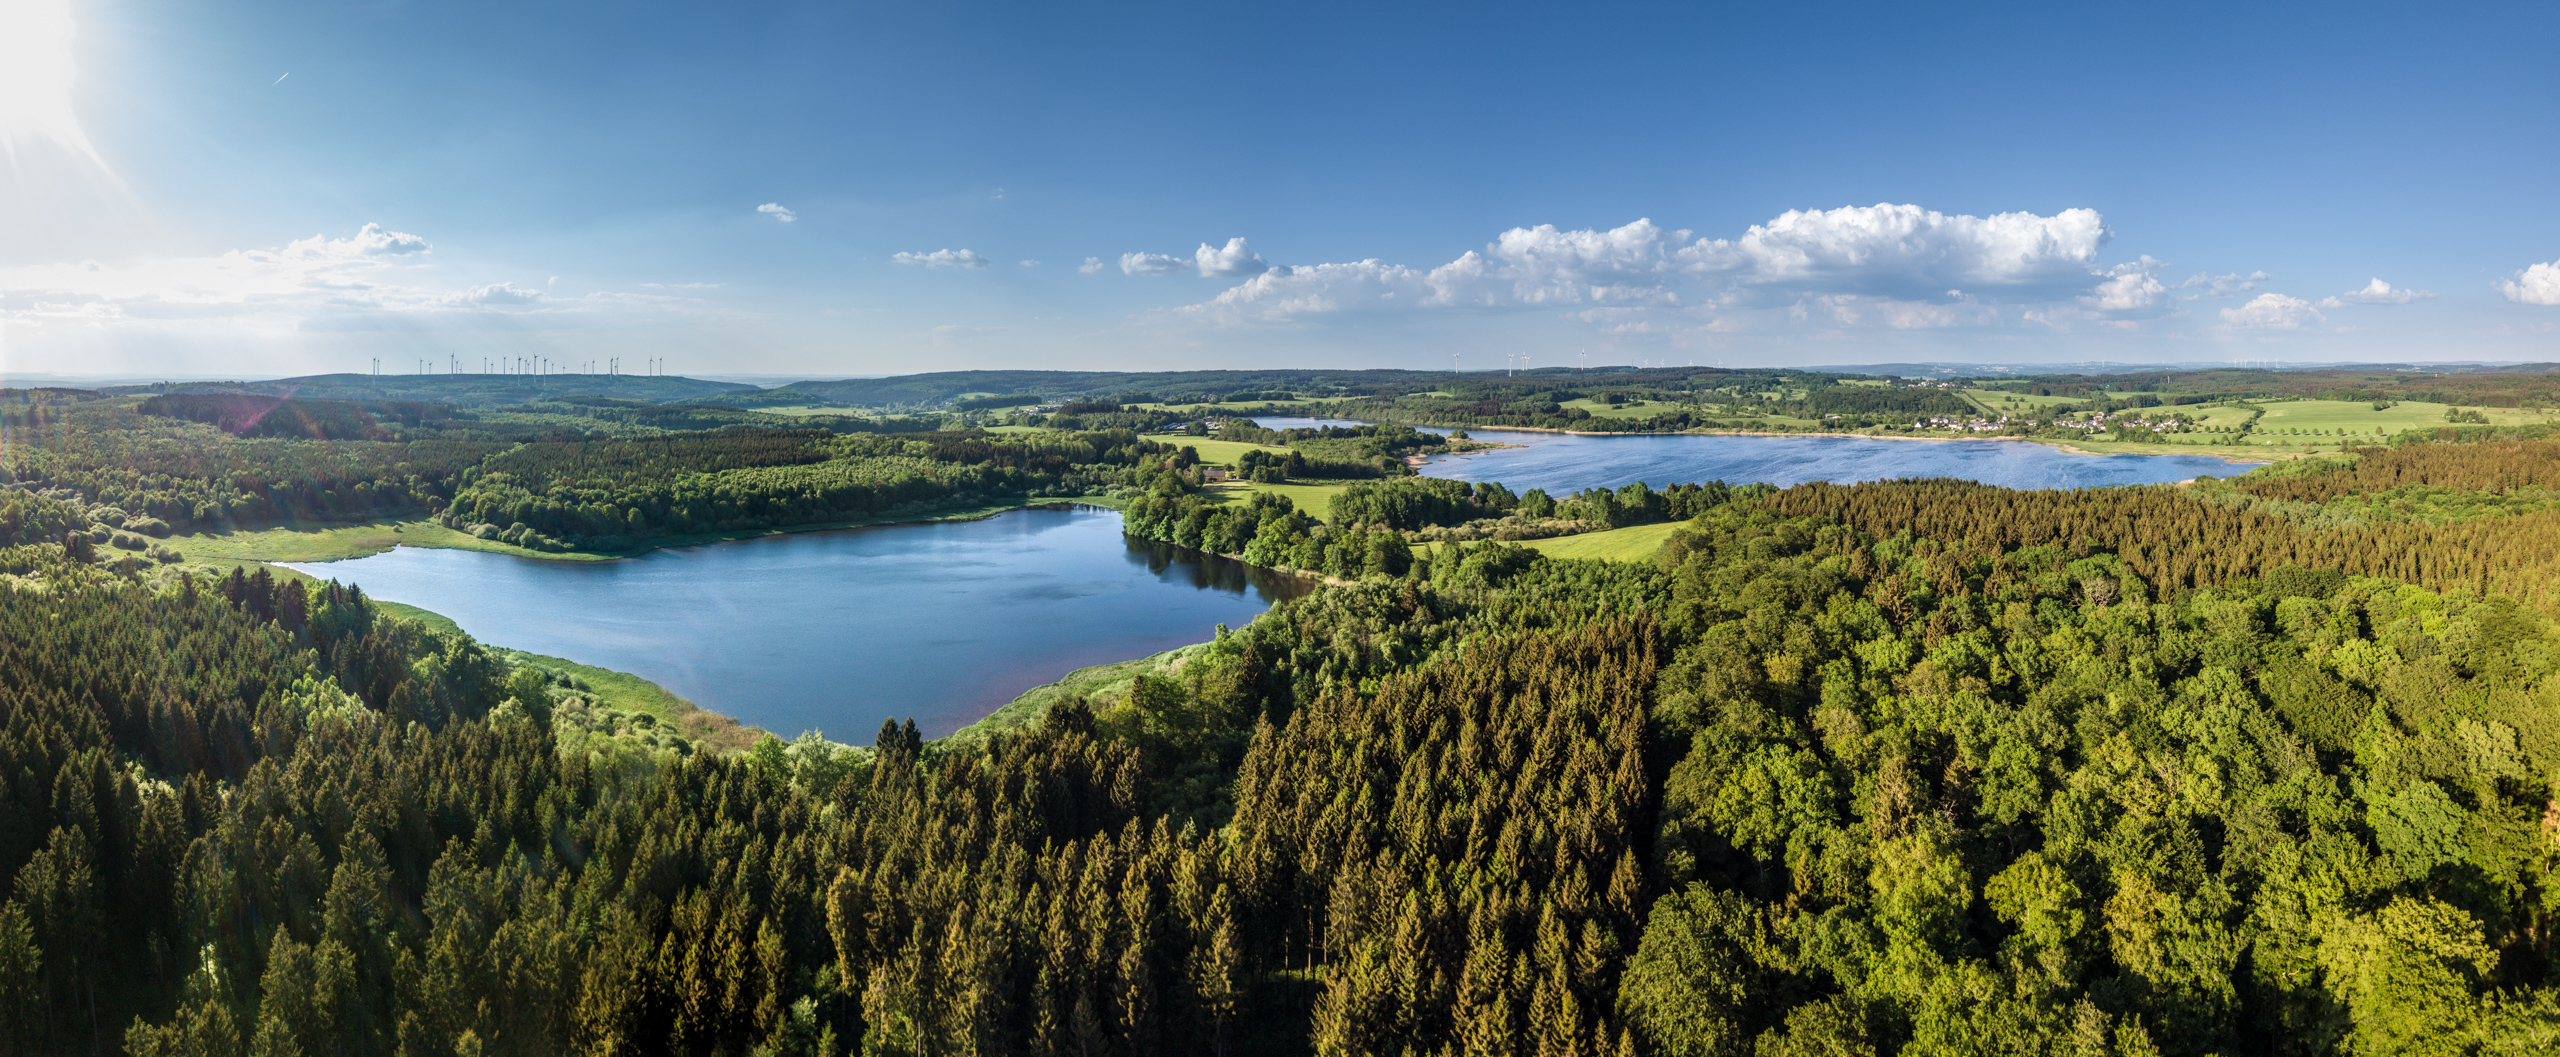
(1453, 363)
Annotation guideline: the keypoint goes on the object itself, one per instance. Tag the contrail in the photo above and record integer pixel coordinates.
(280, 80)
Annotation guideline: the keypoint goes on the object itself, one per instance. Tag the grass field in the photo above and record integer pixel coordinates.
(2347, 418)
(1633, 544)
(1219, 452)
(332, 542)
(1312, 498)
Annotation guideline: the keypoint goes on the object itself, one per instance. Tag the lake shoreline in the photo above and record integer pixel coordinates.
(824, 631)
(2064, 446)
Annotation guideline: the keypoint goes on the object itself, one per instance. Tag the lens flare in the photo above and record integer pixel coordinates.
(36, 72)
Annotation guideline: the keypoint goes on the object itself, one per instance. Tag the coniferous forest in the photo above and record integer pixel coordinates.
(1915, 767)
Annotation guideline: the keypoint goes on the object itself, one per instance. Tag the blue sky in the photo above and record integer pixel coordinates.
(203, 188)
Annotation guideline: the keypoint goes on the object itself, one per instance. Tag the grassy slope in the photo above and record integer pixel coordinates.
(1630, 409)
(631, 693)
(1632, 544)
(1099, 682)
(324, 542)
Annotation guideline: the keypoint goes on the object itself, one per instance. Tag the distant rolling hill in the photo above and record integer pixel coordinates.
(465, 390)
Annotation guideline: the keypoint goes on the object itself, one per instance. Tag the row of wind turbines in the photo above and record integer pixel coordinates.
(540, 366)
(1515, 362)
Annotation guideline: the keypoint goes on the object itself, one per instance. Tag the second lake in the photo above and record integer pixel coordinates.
(1562, 462)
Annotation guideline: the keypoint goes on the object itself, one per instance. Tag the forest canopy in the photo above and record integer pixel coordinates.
(1914, 767)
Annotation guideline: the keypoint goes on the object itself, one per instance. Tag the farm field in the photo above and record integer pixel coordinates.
(814, 410)
(2221, 417)
(1204, 408)
(2347, 417)
(1217, 452)
(1996, 400)
(1312, 498)
(1630, 409)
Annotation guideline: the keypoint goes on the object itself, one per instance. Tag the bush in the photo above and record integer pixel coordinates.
(126, 541)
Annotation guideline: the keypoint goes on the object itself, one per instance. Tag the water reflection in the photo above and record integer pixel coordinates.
(1211, 572)
(837, 631)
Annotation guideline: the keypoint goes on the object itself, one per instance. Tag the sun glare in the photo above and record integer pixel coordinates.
(35, 76)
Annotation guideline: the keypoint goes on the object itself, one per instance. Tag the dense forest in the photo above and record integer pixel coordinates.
(1900, 768)
(2264, 765)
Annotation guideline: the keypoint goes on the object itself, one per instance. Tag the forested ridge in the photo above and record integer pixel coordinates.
(1903, 768)
(217, 462)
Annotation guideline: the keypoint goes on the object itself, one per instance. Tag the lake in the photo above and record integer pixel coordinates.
(1561, 463)
(945, 622)
(837, 631)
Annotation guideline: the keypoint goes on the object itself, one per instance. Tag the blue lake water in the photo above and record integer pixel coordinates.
(1561, 463)
(837, 631)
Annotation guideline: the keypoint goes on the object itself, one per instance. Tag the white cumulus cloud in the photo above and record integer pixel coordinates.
(943, 259)
(1152, 264)
(373, 280)
(778, 211)
(368, 241)
(1282, 293)
(2129, 288)
(1028, 263)
(1908, 251)
(2376, 292)
(1545, 265)
(506, 293)
(1090, 266)
(2273, 311)
(1231, 262)
(1881, 254)
(2537, 285)
(2227, 284)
